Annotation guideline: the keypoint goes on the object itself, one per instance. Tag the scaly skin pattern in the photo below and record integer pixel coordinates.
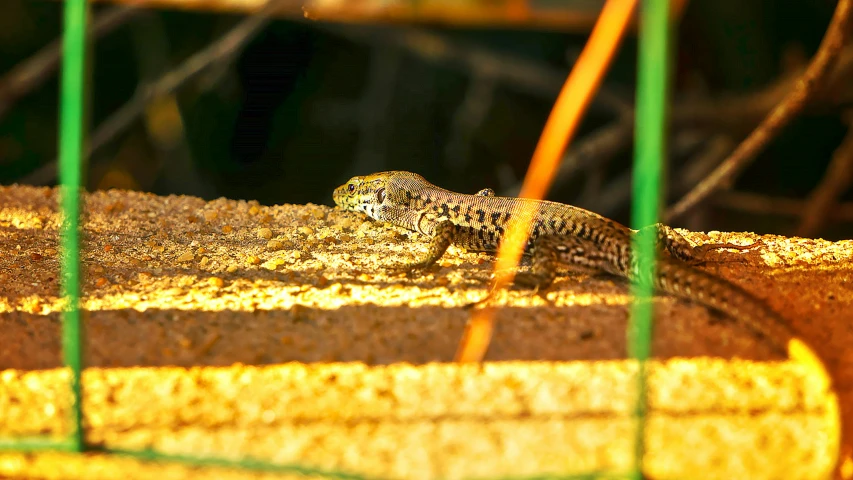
(561, 235)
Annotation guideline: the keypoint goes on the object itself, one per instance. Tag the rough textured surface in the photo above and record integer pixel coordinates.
(445, 421)
(226, 287)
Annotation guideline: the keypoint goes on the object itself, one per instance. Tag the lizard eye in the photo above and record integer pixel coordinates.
(351, 187)
(380, 195)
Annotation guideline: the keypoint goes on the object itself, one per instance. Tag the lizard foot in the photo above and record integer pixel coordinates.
(702, 256)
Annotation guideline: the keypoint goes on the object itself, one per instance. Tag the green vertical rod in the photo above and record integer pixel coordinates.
(70, 173)
(650, 129)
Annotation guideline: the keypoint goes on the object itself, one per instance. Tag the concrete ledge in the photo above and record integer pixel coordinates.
(442, 420)
(235, 329)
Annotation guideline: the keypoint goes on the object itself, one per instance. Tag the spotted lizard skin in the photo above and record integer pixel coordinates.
(561, 235)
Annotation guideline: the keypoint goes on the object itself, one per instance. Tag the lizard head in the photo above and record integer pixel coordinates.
(376, 193)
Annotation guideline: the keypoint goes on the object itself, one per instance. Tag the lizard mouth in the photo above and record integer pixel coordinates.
(338, 196)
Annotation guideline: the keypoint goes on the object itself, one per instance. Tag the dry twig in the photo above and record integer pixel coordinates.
(527, 76)
(767, 205)
(590, 151)
(35, 70)
(825, 196)
(616, 194)
(692, 172)
(221, 50)
(813, 79)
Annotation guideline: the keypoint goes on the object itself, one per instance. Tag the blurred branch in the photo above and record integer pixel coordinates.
(467, 119)
(574, 16)
(528, 76)
(616, 194)
(813, 79)
(34, 71)
(176, 172)
(224, 49)
(718, 147)
(564, 16)
(835, 181)
(726, 114)
(766, 205)
(743, 111)
(732, 113)
(589, 151)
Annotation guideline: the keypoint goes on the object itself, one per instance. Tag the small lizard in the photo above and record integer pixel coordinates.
(560, 235)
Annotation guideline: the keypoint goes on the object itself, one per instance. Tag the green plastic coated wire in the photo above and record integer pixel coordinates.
(653, 70)
(70, 173)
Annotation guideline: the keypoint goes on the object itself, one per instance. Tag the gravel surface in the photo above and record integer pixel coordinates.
(233, 329)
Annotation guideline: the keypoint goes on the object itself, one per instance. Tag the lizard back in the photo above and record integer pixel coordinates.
(410, 201)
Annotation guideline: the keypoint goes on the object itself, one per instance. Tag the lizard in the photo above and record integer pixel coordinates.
(560, 235)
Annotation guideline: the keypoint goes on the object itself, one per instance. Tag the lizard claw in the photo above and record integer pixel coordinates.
(701, 251)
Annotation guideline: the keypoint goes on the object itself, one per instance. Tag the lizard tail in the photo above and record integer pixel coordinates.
(728, 298)
(722, 295)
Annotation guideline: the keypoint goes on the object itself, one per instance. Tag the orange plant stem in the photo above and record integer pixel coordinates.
(574, 98)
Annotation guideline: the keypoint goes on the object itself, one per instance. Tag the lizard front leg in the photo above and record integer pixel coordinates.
(442, 237)
(549, 252)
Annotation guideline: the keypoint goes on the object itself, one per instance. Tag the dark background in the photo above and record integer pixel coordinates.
(307, 105)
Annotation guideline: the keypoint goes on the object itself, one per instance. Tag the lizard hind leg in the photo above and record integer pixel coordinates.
(486, 192)
(543, 265)
(677, 246)
(550, 252)
(670, 241)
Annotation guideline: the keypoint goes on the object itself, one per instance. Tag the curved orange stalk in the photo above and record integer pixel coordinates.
(574, 97)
